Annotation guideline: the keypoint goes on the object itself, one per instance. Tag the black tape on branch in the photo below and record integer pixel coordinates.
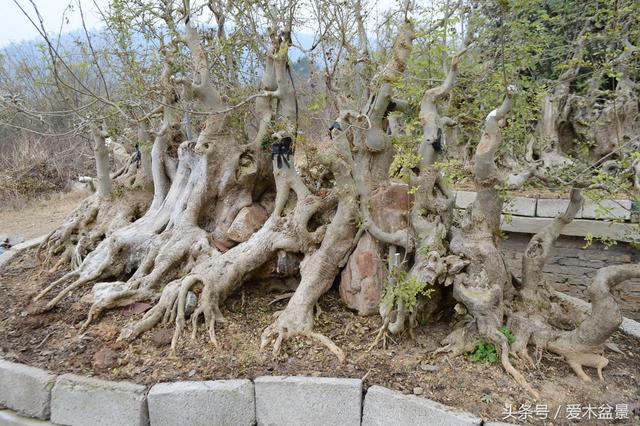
(138, 157)
(437, 144)
(390, 108)
(335, 125)
(281, 150)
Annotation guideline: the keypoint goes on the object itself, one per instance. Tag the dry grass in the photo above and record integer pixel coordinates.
(31, 168)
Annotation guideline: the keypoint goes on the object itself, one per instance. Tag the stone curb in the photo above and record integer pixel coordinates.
(309, 401)
(383, 407)
(281, 400)
(551, 207)
(10, 418)
(220, 402)
(78, 400)
(626, 232)
(25, 389)
(530, 215)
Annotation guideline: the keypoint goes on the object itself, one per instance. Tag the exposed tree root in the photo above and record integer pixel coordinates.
(225, 273)
(93, 220)
(583, 346)
(121, 250)
(381, 334)
(161, 312)
(320, 267)
(280, 297)
(219, 275)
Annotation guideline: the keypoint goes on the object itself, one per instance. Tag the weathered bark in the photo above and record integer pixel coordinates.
(319, 268)
(486, 283)
(432, 121)
(583, 345)
(363, 59)
(101, 153)
(537, 251)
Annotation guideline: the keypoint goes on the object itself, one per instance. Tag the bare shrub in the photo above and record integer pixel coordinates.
(32, 167)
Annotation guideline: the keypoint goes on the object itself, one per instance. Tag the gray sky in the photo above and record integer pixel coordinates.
(15, 27)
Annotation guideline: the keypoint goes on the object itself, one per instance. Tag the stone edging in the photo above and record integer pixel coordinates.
(69, 399)
(550, 208)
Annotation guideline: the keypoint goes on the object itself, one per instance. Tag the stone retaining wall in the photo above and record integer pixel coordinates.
(571, 267)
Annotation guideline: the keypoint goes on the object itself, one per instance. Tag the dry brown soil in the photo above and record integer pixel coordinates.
(38, 217)
(52, 341)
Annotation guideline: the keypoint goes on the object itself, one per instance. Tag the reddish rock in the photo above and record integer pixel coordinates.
(248, 221)
(365, 274)
(389, 207)
(268, 201)
(220, 246)
(105, 358)
(364, 277)
(365, 264)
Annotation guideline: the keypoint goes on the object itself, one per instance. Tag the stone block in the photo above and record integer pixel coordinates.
(208, 403)
(10, 418)
(383, 407)
(551, 208)
(389, 206)
(33, 242)
(79, 401)
(559, 269)
(572, 261)
(248, 220)
(579, 227)
(25, 389)
(630, 327)
(6, 256)
(608, 256)
(607, 209)
(464, 199)
(308, 401)
(521, 206)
